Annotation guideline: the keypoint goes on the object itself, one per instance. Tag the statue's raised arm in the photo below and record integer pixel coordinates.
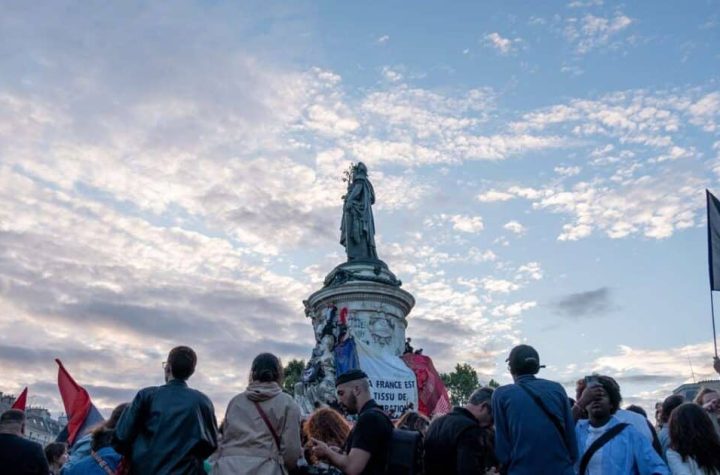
(357, 232)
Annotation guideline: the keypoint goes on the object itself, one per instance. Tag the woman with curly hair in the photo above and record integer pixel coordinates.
(694, 444)
(329, 426)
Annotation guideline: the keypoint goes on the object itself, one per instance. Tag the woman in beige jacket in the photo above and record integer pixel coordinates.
(261, 430)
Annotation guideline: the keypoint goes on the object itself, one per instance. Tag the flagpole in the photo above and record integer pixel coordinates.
(712, 311)
(710, 199)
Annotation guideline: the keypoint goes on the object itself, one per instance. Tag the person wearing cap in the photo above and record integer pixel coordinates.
(366, 448)
(534, 427)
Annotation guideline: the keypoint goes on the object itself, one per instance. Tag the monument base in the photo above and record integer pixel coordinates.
(362, 301)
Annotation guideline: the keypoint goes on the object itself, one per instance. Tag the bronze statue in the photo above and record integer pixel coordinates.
(357, 232)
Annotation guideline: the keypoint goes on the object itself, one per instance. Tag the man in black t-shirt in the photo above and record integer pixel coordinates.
(366, 448)
(19, 456)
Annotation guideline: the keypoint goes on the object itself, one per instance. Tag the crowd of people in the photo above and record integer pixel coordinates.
(528, 427)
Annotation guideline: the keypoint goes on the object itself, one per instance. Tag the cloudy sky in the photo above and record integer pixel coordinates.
(170, 173)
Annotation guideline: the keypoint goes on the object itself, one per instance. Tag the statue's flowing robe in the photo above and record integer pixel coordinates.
(357, 231)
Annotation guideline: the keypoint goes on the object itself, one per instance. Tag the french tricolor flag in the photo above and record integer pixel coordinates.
(81, 412)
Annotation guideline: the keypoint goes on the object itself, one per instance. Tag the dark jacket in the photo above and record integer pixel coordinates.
(19, 456)
(456, 444)
(169, 429)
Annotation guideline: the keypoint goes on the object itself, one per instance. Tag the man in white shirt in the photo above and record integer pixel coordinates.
(624, 451)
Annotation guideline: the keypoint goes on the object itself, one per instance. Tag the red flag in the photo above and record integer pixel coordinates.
(432, 395)
(20, 401)
(76, 401)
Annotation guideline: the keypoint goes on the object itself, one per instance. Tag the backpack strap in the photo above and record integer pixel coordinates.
(268, 424)
(550, 415)
(103, 464)
(597, 445)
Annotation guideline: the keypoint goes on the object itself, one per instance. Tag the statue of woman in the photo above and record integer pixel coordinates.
(357, 232)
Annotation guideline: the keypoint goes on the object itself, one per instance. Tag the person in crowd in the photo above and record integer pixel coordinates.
(170, 428)
(637, 410)
(637, 420)
(460, 442)
(534, 428)
(658, 411)
(709, 399)
(102, 454)
(412, 420)
(694, 444)
(668, 406)
(261, 430)
(328, 426)
(367, 445)
(640, 422)
(56, 455)
(608, 446)
(19, 456)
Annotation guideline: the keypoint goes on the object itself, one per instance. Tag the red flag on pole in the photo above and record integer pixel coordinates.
(21, 401)
(76, 401)
(432, 395)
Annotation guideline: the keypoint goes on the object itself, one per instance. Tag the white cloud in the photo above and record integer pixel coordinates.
(512, 310)
(591, 32)
(669, 367)
(585, 4)
(515, 227)
(705, 111)
(383, 39)
(460, 222)
(493, 285)
(502, 45)
(567, 171)
(493, 195)
(653, 206)
(467, 224)
(391, 74)
(476, 255)
(531, 270)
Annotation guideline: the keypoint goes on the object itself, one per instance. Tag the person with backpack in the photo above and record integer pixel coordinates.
(367, 447)
(261, 430)
(534, 427)
(459, 442)
(609, 446)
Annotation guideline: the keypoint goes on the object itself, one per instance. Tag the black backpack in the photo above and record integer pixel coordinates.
(405, 456)
(406, 452)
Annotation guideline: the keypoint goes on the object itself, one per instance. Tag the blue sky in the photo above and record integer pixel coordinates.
(170, 174)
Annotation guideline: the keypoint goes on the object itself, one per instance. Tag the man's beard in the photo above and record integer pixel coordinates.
(351, 407)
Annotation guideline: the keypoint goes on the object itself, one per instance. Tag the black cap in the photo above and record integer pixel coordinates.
(352, 375)
(524, 359)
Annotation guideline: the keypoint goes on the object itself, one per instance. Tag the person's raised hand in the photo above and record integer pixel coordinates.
(319, 448)
(589, 395)
(716, 364)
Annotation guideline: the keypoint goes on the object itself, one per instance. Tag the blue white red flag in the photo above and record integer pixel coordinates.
(81, 412)
(346, 357)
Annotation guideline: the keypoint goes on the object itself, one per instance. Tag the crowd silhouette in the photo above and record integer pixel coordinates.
(528, 427)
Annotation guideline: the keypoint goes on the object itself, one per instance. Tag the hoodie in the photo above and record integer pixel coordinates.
(248, 446)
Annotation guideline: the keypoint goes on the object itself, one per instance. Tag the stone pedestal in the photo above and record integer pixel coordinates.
(375, 317)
